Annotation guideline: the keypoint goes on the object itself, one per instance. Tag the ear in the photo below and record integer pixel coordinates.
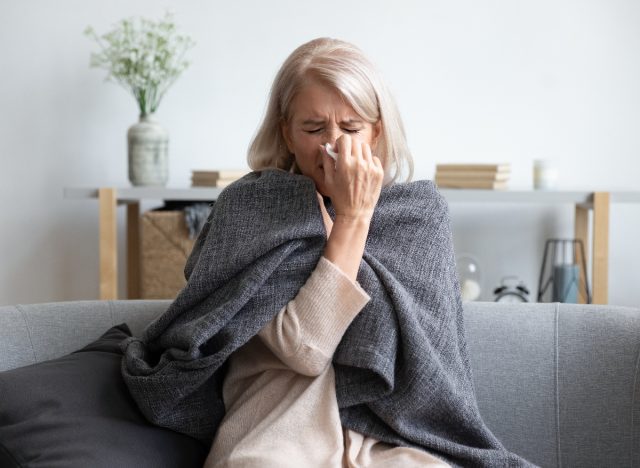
(377, 131)
(286, 134)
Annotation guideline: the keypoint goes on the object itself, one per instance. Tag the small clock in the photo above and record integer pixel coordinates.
(511, 292)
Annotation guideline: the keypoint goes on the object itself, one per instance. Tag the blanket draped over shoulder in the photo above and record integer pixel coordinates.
(402, 373)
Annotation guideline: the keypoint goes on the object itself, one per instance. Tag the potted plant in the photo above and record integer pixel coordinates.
(145, 57)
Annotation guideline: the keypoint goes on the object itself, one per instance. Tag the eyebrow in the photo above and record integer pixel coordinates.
(320, 121)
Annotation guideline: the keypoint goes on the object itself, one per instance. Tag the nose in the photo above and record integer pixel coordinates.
(332, 135)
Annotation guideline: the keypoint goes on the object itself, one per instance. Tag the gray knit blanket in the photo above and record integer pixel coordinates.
(402, 372)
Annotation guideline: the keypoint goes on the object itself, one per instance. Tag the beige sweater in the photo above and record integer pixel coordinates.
(279, 392)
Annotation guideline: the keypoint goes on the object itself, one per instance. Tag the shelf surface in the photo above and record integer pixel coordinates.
(516, 196)
(135, 194)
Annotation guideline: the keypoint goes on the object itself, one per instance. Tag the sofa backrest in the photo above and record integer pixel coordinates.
(559, 384)
(38, 332)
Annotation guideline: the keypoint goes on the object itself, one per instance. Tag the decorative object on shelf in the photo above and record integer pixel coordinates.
(473, 176)
(148, 149)
(146, 58)
(511, 289)
(545, 175)
(469, 277)
(561, 264)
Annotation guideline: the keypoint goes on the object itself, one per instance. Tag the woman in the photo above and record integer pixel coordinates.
(281, 386)
(321, 324)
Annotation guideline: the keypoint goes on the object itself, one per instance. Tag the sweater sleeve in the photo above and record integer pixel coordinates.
(306, 332)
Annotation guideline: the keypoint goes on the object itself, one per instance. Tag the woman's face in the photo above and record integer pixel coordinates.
(318, 114)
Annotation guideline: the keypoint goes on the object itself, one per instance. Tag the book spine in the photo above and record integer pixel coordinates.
(474, 167)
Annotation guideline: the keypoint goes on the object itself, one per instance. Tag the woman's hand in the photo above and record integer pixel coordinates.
(354, 181)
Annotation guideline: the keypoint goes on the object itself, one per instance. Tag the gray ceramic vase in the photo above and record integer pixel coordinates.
(148, 148)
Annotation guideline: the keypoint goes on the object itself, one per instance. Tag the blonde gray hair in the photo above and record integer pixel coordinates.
(343, 67)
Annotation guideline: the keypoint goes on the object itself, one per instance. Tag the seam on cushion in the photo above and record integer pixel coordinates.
(557, 384)
(110, 305)
(26, 323)
(634, 450)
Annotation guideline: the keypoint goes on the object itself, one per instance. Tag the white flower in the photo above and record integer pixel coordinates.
(145, 57)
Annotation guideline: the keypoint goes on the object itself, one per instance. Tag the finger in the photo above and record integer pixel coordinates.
(366, 153)
(356, 148)
(378, 163)
(344, 149)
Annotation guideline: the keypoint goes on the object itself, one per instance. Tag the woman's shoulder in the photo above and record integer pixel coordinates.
(422, 194)
(267, 182)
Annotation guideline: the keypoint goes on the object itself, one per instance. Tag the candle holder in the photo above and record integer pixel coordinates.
(560, 272)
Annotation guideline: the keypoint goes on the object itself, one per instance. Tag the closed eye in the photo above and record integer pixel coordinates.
(348, 130)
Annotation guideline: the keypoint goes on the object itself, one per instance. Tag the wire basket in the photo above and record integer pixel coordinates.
(560, 279)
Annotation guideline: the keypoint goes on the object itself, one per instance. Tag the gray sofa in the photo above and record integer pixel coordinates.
(559, 384)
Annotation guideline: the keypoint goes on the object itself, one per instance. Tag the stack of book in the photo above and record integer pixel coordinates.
(219, 179)
(473, 176)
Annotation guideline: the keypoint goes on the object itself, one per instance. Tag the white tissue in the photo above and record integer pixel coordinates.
(330, 151)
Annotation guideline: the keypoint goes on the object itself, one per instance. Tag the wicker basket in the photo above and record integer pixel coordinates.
(164, 249)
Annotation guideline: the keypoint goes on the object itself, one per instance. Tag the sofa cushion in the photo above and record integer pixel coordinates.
(75, 411)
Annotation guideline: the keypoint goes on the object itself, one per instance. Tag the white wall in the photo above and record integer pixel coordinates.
(485, 81)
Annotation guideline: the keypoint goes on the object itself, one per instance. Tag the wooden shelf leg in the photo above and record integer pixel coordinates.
(108, 244)
(133, 250)
(581, 231)
(601, 203)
